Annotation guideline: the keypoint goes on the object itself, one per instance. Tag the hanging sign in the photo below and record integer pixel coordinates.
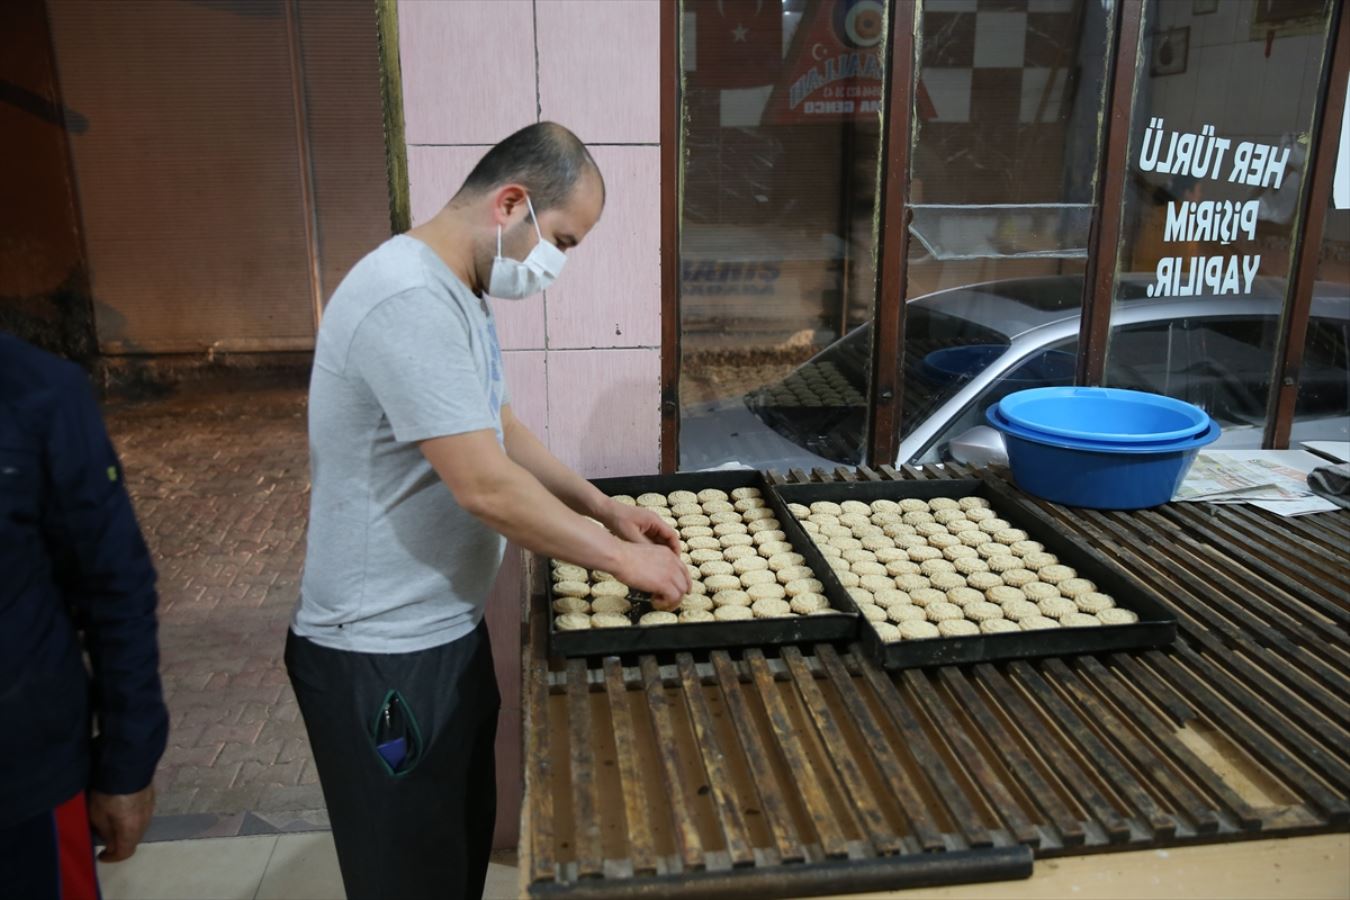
(834, 71)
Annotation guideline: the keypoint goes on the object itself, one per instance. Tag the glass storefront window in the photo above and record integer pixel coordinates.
(1322, 412)
(782, 127)
(1224, 103)
(1007, 136)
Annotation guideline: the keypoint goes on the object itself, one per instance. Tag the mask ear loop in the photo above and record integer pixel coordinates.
(534, 219)
(499, 242)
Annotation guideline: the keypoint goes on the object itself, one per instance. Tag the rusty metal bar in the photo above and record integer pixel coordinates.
(682, 819)
(639, 828)
(585, 790)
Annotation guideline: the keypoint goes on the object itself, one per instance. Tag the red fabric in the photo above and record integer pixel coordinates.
(739, 42)
(75, 850)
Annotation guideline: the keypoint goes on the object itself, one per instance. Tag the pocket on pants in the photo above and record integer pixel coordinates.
(395, 735)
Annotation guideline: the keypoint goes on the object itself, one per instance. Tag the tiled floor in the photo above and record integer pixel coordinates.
(219, 475)
(304, 867)
(272, 867)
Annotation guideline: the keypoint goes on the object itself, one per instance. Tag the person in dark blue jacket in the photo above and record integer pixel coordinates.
(79, 739)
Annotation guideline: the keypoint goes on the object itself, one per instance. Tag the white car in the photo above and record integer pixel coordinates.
(968, 347)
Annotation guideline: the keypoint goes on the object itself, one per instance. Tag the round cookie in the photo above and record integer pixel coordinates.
(876, 583)
(750, 564)
(1094, 602)
(745, 504)
(763, 576)
(836, 531)
(1025, 547)
(718, 583)
(769, 536)
(942, 611)
(924, 553)
(930, 529)
(994, 525)
(1080, 620)
(908, 542)
(676, 497)
(973, 503)
(982, 581)
(766, 591)
(809, 527)
(780, 561)
(610, 620)
(886, 631)
(866, 569)
(1037, 591)
(1055, 574)
(911, 582)
(998, 626)
(884, 506)
(1004, 594)
(697, 615)
(763, 514)
(572, 622)
(1037, 623)
(959, 550)
(718, 506)
(1114, 615)
(737, 540)
(976, 539)
(1018, 610)
(931, 567)
(731, 598)
(855, 507)
(825, 507)
(770, 549)
(858, 555)
(703, 543)
(805, 603)
(1037, 561)
(890, 597)
(947, 516)
(712, 554)
(609, 588)
(889, 554)
(698, 531)
(572, 605)
(771, 608)
(695, 601)
(983, 611)
(1072, 587)
(916, 518)
(913, 504)
(717, 566)
(946, 581)
(699, 520)
(941, 503)
(727, 529)
(733, 613)
(823, 519)
(686, 509)
(1056, 607)
(746, 493)
(898, 568)
(964, 596)
(726, 518)
(860, 596)
(731, 554)
(610, 605)
(1010, 536)
(853, 519)
(652, 500)
(906, 612)
(569, 572)
(792, 573)
(927, 596)
(625, 499)
(846, 543)
(803, 586)
(957, 628)
(917, 631)
(944, 542)
(1018, 577)
(847, 579)
(1003, 562)
(707, 495)
(980, 513)
(658, 617)
(876, 543)
(871, 612)
(968, 566)
(572, 589)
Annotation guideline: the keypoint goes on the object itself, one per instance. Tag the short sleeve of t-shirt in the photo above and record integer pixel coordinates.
(413, 351)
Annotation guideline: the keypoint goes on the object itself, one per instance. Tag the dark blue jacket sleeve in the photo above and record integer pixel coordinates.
(109, 580)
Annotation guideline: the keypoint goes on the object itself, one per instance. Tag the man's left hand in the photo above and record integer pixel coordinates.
(121, 820)
(641, 526)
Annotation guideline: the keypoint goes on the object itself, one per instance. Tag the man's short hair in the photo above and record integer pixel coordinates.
(545, 158)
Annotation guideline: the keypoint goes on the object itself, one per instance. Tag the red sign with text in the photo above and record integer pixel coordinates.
(834, 70)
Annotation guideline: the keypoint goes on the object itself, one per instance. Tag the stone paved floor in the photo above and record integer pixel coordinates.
(219, 475)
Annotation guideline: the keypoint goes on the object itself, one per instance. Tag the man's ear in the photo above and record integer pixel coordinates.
(506, 201)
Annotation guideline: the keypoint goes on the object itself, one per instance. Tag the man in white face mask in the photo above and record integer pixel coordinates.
(421, 473)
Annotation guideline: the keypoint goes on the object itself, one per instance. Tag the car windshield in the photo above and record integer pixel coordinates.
(822, 406)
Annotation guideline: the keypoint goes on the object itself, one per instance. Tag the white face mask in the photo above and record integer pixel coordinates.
(513, 279)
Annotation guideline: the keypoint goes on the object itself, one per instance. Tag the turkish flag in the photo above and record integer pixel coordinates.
(737, 43)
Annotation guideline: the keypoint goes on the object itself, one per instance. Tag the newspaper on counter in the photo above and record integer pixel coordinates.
(1273, 480)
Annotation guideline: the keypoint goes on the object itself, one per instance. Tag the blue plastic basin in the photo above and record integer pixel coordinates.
(1104, 414)
(951, 363)
(1098, 475)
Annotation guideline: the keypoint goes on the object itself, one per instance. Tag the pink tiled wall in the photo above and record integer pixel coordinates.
(582, 362)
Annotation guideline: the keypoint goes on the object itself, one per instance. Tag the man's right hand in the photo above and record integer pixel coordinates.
(656, 570)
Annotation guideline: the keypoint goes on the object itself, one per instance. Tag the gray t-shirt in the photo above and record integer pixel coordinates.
(406, 352)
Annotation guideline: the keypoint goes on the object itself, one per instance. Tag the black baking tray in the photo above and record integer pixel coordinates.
(707, 635)
(1156, 628)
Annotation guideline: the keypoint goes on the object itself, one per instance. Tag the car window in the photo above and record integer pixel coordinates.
(1227, 367)
(1323, 408)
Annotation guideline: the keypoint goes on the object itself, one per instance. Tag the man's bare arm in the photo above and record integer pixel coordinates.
(509, 499)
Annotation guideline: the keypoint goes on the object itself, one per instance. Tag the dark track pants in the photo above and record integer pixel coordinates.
(426, 830)
(50, 856)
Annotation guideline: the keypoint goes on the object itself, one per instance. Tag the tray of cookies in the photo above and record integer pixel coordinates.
(756, 577)
(958, 571)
